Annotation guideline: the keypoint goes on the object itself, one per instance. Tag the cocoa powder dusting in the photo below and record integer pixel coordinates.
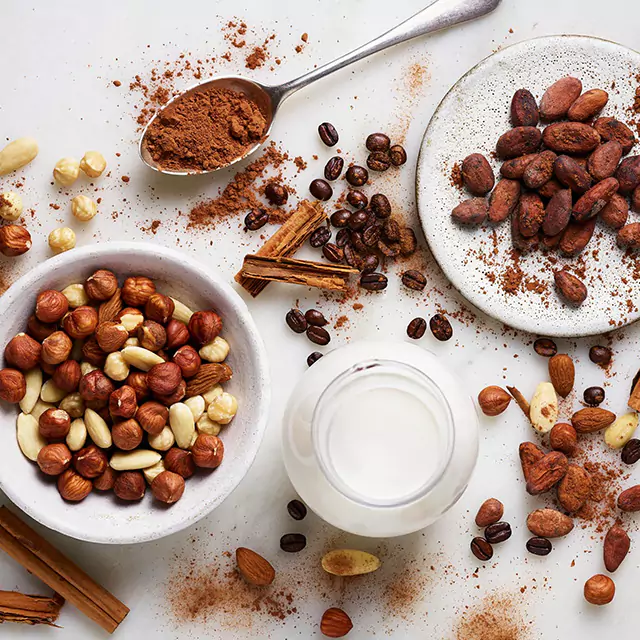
(496, 617)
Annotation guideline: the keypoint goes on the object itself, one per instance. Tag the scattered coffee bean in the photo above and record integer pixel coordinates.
(481, 549)
(389, 249)
(408, 241)
(340, 218)
(333, 253)
(256, 219)
(398, 155)
(357, 199)
(328, 134)
(320, 237)
(539, 546)
(318, 335)
(371, 217)
(296, 321)
(498, 532)
(357, 220)
(343, 237)
(378, 142)
(545, 347)
(351, 257)
(296, 509)
(312, 358)
(380, 205)
(370, 263)
(371, 235)
(593, 396)
(378, 161)
(440, 327)
(416, 328)
(315, 318)
(373, 281)
(413, 279)
(357, 176)
(333, 168)
(358, 244)
(391, 229)
(293, 542)
(631, 451)
(276, 194)
(600, 354)
(320, 189)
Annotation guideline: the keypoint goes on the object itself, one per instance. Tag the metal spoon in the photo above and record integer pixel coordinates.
(439, 15)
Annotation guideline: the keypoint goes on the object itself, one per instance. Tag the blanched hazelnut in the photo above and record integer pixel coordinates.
(162, 441)
(23, 352)
(73, 404)
(90, 462)
(137, 380)
(54, 424)
(95, 389)
(180, 461)
(111, 336)
(206, 425)
(152, 335)
(56, 348)
(159, 308)
(137, 290)
(105, 481)
(81, 322)
(40, 330)
(116, 366)
(151, 473)
(204, 326)
(167, 487)
(101, 285)
(130, 319)
(83, 208)
(152, 417)
(67, 376)
(66, 171)
(177, 334)
(207, 451)
(76, 295)
(127, 435)
(174, 397)
(13, 385)
(73, 487)
(188, 360)
(62, 239)
(92, 352)
(163, 379)
(123, 402)
(215, 351)
(130, 486)
(53, 459)
(93, 164)
(10, 206)
(223, 408)
(14, 240)
(51, 305)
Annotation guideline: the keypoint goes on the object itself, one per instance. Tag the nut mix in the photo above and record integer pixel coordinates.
(120, 416)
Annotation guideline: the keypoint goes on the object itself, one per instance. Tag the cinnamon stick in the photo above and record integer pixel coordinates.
(304, 272)
(285, 241)
(18, 607)
(43, 560)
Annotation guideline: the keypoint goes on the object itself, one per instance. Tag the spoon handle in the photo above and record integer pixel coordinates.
(438, 15)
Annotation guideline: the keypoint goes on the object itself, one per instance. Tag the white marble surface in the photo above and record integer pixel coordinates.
(58, 63)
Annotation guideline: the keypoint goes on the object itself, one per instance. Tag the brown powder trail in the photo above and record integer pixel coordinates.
(496, 617)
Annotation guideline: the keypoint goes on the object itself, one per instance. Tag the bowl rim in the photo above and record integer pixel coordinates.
(261, 373)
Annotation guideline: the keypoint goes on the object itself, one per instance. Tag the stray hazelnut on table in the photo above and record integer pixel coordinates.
(83, 208)
(73, 487)
(493, 400)
(14, 240)
(167, 487)
(10, 206)
(599, 590)
(66, 171)
(93, 164)
(62, 239)
(53, 459)
(90, 462)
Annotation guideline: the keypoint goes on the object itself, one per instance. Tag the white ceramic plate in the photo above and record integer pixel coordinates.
(471, 118)
(102, 517)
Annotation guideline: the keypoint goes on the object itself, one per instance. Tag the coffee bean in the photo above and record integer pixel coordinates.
(320, 237)
(328, 134)
(276, 194)
(593, 396)
(380, 205)
(371, 235)
(413, 279)
(357, 199)
(315, 318)
(631, 451)
(357, 220)
(296, 321)
(389, 249)
(370, 263)
(357, 176)
(343, 237)
(378, 142)
(539, 546)
(481, 549)
(600, 354)
(351, 257)
(373, 281)
(440, 327)
(333, 168)
(391, 229)
(497, 532)
(371, 217)
(340, 218)
(320, 189)
(398, 155)
(416, 328)
(296, 509)
(256, 219)
(293, 542)
(358, 243)
(312, 358)
(318, 335)
(333, 253)
(545, 347)
(378, 161)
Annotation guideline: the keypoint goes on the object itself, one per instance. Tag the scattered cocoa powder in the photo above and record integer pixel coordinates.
(496, 617)
(456, 176)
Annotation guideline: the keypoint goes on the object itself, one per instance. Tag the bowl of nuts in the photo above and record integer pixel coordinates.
(134, 392)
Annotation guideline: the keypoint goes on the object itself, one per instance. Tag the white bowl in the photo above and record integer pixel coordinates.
(102, 517)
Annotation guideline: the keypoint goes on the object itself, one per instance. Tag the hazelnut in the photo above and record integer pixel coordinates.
(83, 208)
(105, 481)
(23, 352)
(90, 462)
(67, 376)
(180, 461)
(223, 408)
(159, 308)
(40, 330)
(164, 378)
(13, 385)
(66, 171)
(123, 402)
(62, 239)
(563, 437)
(73, 404)
(49, 369)
(93, 164)
(174, 397)
(152, 335)
(129, 485)
(188, 360)
(51, 305)
(54, 424)
(76, 295)
(101, 285)
(95, 389)
(167, 487)
(152, 417)
(130, 319)
(53, 459)
(10, 206)
(127, 435)
(204, 326)
(56, 348)
(111, 336)
(138, 382)
(164, 355)
(599, 590)
(73, 487)
(136, 291)
(177, 334)
(92, 353)
(14, 240)
(493, 400)
(207, 451)
(81, 322)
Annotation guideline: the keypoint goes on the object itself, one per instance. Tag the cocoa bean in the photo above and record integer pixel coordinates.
(540, 170)
(571, 137)
(589, 104)
(628, 174)
(547, 472)
(574, 488)
(530, 214)
(504, 200)
(514, 168)
(603, 162)
(612, 129)
(571, 174)
(572, 289)
(559, 97)
(594, 200)
(477, 174)
(524, 109)
(472, 211)
(615, 212)
(557, 213)
(629, 236)
(616, 547)
(518, 142)
(577, 236)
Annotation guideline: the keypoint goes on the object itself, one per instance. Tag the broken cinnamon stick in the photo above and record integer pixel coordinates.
(291, 271)
(521, 401)
(285, 241)
(18, 607)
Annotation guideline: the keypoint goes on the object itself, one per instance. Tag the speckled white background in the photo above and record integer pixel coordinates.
(58, 63)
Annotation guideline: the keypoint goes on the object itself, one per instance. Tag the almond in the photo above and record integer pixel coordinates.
(616, 547)
(546, 473)
(349, 562)
(544, 408)
(549, 523)
(254, 568)
(109, 310)
(629, 499)
(574, 488)
(562, 373)
(571, 288)
(591, 419)
(335, 623)
(559, 97)
(530, 453)
(208, 376)
(589, 104)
